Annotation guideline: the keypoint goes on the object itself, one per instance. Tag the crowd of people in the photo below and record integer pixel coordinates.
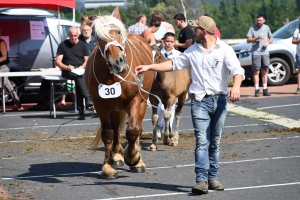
(209, 60)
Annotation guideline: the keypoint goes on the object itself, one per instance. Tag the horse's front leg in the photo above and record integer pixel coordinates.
(132, 154)
(107, 135)
(117, 149)
(168, 115)
(178, 113)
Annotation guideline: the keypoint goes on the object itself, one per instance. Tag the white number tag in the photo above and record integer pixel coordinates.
(109, 91)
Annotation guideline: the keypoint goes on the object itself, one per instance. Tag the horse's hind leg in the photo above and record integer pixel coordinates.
(155, 118)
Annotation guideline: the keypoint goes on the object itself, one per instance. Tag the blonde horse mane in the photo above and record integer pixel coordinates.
(103, 24)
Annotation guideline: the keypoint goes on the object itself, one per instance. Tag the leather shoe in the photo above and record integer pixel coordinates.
(265, 92)
(81, 115)
(256, 94)
(215, 184)
(89, 104)
(200, 188)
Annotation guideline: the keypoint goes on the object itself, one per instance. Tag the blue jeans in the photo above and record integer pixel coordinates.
(208, 120)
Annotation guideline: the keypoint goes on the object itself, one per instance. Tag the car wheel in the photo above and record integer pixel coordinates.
(279, 72)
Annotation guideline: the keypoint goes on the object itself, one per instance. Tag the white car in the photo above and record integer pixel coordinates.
(33, 36)
(282, 55)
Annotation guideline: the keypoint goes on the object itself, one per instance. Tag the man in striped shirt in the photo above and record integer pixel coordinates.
(139, 26)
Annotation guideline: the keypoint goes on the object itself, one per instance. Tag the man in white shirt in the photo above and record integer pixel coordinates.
(211, 60)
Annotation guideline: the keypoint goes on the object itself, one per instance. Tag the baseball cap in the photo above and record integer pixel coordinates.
(205, 23)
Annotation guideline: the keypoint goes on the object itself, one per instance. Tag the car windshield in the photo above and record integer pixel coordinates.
(287, 30)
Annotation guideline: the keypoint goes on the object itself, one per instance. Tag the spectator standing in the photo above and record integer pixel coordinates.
(260, 36)
(155, 21)
(211, 60)
(4, 67)
(169, 52)
(296, 40)
(73, 53)
(87, 37)
(139, 26)
(185, 37)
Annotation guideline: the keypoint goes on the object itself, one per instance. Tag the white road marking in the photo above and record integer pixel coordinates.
(263, 116)
(210, 191)
(264, 108)
(151, 168)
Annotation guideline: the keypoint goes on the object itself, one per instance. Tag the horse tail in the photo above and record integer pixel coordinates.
(98, 138)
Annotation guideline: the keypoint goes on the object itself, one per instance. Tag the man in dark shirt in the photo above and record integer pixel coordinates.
(185, 38)
(73, 53)
(87, 37)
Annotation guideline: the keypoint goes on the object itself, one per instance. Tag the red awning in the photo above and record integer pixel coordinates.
(46, 4)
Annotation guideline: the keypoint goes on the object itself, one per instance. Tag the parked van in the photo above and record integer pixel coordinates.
(32, 36)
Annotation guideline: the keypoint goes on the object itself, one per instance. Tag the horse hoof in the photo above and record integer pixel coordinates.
(119, 163)
(110, 176)
(166, 142)
(153, 147)
(137, 170)
(174, 144)
(133, 164)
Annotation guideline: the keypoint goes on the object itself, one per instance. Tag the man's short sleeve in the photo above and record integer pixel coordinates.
(85, 51)
(250, 33)
(61, 49)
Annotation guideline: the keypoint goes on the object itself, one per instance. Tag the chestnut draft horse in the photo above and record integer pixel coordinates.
(117, 92)
(168, 86)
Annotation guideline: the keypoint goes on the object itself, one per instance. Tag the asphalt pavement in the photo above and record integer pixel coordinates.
(46, 158)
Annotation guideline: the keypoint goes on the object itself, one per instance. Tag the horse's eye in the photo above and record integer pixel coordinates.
(119, 32)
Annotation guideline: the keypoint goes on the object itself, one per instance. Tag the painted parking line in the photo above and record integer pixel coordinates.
(150, 168)
(263, 116)
(280, 106)
(210, 191)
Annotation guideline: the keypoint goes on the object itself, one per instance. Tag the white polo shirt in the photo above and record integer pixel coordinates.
(209, 71)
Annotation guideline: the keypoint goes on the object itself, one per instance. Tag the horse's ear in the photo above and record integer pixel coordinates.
(88, 21)
(161, 46)
(116, 13)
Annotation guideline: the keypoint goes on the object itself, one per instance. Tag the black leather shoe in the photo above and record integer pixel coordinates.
(256, 94)
(81, 115)
(265, 92)
(89, 104)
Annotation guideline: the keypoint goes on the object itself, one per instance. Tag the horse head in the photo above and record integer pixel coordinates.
(158, 57)
(111, 35)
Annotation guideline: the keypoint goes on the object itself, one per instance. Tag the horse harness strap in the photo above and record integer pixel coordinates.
(139, 83)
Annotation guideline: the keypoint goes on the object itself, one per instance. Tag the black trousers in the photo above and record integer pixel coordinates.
(80, 88)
